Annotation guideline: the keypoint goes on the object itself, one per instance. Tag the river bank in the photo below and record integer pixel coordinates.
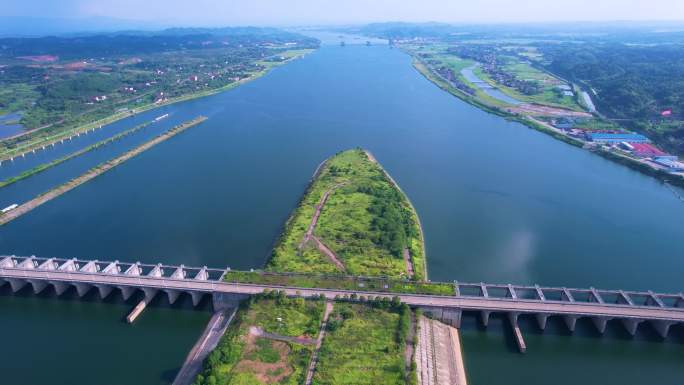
(491, 211)
(534, 124)
(9, 153)
(96, 171)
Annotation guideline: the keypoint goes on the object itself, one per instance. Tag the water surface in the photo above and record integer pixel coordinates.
(499, 202)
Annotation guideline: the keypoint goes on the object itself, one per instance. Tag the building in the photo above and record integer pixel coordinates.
(672, 165)
(644, 150)
(611, 138)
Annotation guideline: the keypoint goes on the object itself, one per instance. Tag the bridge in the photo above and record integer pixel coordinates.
(632, 308)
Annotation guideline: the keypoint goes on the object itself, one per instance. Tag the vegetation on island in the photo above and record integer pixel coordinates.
(64, 85)
(353, 219)
(270, 341)
(364, 344)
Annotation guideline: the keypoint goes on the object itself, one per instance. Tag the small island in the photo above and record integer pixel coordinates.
(353, 219)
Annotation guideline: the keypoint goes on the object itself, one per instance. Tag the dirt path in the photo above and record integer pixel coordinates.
(259, 332)
(410, 341)
(94, 172)
(319, 341)
(308, 236)
(409, 264)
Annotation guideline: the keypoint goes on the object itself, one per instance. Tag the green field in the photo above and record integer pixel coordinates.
(244, 359)
(363, 345)
(367, 222)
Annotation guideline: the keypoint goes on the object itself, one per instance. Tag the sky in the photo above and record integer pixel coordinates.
(314, 12)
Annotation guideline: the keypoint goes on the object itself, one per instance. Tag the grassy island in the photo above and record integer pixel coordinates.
(353, 219)
(270, 341)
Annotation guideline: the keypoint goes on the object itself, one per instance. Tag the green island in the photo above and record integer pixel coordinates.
(270, 341)
(353, 219)
(353, 229)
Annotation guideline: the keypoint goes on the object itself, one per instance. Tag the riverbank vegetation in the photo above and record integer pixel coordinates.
(270, 341)
(64, 85)
(353, 219)
(364, 344)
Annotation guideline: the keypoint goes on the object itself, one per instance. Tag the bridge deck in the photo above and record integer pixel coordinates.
(659, 307)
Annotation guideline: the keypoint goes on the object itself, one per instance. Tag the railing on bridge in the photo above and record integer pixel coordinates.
(633, 307)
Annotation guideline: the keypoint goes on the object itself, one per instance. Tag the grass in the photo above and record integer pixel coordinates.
(367, 221)
(241, 359)
(362, 346)
(322, 281)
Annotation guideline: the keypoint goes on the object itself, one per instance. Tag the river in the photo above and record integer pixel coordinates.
(499, 203)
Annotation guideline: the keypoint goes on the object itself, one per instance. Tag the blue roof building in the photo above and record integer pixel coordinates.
(602, 137)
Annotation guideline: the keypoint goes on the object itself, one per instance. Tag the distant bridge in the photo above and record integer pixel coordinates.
(632, 308)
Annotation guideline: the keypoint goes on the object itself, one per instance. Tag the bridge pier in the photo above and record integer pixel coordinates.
(104, 290)
(631, 324)
(173, 295)
(484, 314)
(662, 327)
(224, 301)
(38, 286)
(82, 288)
(600, 323)
(60, 287)
(541, 320)
(196, 297)
(16, 284)
(452, 317)
(570, 322)
(127, 292)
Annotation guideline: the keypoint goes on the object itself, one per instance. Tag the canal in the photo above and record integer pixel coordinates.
(499, 202)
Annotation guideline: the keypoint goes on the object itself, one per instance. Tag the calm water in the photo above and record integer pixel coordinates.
(487, 88)
(499, 202)
(9, 125)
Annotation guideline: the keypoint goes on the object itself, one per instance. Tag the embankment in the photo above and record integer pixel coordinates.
(96, 171)
(42, 167)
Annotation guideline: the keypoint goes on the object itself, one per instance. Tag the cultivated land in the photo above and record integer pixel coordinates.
(270, 341)
(353, 219)
(92, 81)
(363, 345)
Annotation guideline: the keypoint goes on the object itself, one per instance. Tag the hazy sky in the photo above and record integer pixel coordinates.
(287, 12)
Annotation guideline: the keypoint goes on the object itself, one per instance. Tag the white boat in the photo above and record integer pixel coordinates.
(10, 208)
(158, 118)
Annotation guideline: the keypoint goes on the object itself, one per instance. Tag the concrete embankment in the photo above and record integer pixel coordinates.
(215, 329)
(439, 360)
(54, 193)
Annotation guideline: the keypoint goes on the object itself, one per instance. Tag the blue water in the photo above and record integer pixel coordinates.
(487, 88)
(499, 202)
(7, 129)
